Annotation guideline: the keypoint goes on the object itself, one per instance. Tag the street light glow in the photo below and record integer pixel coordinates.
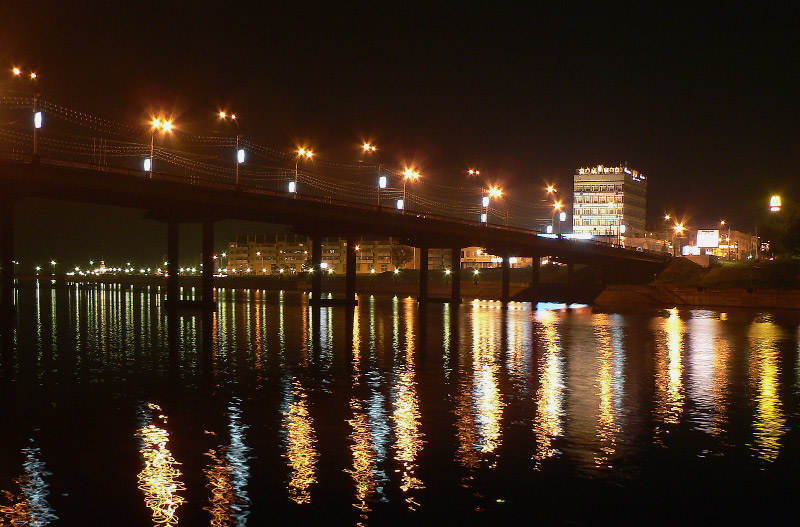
(679, 228)
(551, 189)
(557, 205)
(368, 147)
(495, 192)
(16, 71)
(304, 152)
(410, 174)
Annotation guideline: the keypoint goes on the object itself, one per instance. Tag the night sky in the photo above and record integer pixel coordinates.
(704, 102)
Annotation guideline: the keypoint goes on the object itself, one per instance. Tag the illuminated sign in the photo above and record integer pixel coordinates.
(708, 238)
(775, 203)
(600, 169)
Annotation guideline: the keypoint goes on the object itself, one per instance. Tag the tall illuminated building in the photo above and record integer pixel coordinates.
(609, 201)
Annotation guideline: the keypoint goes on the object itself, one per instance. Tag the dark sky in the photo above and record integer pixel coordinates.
(703, 101)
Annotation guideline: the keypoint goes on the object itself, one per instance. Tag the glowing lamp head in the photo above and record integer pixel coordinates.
(33, 76)
(240, 155)
(411, 174)
(666, 217)
(223, 115)
(495, 192)
(37, 120)
(382, 182)
(16, 71)
(679, 228)
(550, 189)
(557, 205)
(167, 126)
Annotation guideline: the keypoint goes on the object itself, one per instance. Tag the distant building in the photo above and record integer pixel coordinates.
(608, 200)
(291, 254)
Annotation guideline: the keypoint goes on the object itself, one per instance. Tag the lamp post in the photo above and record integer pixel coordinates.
(557, 209)
(301, 153)
(371, 149)
(488, 193)
(408, 174)
(678, 229)
(722, 223)
(158, 124)
(239, 151)
(37, 115)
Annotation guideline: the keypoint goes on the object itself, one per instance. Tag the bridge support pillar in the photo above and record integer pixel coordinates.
(208, 263)
(506, 268)
(7, 256)
(350, 277)
(536, 268)
(423, 274)
(316, 265)
(173, 287)
(455, 272)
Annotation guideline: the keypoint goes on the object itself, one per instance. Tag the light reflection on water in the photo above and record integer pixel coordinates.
(160, 477)
(390, 404)
(30, 506)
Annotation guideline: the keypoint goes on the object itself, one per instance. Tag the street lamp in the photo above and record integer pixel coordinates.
(491, 192)
(301, 153)
(239, 151)
(557, 208)
(722, 223)
(382, 181)
(158, 124)
(38, 119)
(679, 228)
(408, 174)
(53, 266)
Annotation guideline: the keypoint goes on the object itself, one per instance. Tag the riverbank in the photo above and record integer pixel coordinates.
(626, 295)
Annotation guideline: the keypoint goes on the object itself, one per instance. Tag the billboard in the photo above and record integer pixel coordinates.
(708, 238)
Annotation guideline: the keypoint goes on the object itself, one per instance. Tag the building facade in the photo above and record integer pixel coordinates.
(609, 201)
(290, 254)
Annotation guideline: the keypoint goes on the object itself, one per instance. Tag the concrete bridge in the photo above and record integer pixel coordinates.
(174, 199)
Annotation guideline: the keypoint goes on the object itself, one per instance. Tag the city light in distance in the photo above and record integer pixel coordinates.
(472, 172)
(551, 189)
(368, 147)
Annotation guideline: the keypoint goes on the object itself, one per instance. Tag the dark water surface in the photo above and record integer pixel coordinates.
(271, 411)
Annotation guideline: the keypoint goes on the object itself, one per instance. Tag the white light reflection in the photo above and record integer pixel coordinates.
(30, 507)
(228, 474)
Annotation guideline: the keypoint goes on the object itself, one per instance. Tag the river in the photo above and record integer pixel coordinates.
(272, 411)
